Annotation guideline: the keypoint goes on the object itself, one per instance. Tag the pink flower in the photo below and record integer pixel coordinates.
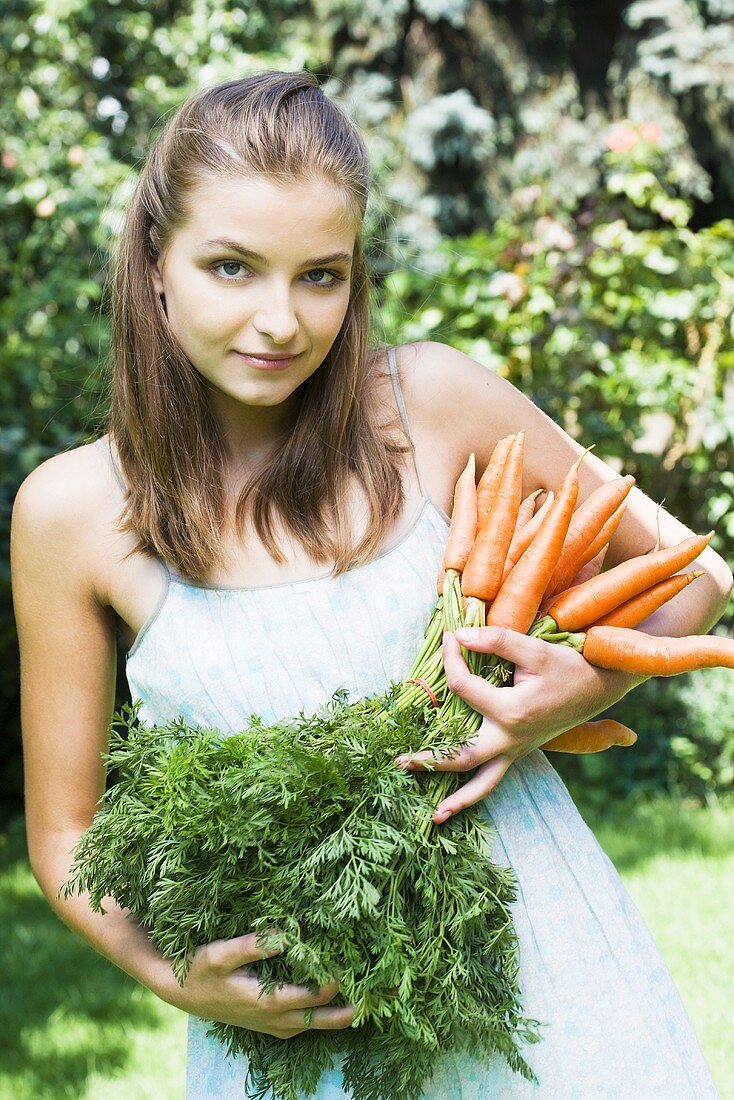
(75, 155)
(45, 208)
(552, 234)
(667, 211)
(507, 285)
(9, 159)
(622, 138)
(650, 131)
(526, 196)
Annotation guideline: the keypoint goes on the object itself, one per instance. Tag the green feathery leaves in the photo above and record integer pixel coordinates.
(307, 825)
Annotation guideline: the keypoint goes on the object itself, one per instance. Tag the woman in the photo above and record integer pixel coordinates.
(264, 522)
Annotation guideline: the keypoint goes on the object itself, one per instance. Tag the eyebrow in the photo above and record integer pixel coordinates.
(233, 246)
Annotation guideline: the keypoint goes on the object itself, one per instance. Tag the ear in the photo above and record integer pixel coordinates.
(155, 275)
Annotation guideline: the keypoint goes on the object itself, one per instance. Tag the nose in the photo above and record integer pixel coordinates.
(276, 316)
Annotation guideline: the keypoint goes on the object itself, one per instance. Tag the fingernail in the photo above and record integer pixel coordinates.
(467, 634)
(441, 815)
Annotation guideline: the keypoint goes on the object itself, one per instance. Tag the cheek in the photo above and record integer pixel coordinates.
(200, 312)
(331, 315)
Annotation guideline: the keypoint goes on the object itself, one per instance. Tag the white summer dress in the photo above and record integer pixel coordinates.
(616, 1028)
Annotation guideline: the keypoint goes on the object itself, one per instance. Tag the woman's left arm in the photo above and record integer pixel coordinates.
(554, 688)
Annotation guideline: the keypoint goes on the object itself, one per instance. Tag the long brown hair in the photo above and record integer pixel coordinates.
(279, 125)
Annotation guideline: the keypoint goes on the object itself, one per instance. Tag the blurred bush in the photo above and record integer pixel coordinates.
(553, 181)
(685, 744)
(618, 326)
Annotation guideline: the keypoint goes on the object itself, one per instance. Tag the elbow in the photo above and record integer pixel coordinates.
(49, 862)
(39, 870)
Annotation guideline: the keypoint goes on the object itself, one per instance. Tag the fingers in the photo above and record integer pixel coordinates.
(475, 689)
(510, 645)
(299, 998)
(482, 783)
(489, 741)
(321, 1019)
(227, 955)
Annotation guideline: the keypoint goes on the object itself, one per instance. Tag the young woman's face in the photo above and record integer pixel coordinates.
(257, 284)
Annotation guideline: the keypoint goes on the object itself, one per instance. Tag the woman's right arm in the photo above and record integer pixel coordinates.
(67, 667)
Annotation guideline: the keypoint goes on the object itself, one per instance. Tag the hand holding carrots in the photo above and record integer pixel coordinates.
(554, 690)
(557, 627)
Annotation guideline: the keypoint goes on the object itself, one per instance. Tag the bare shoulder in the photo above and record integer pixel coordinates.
(57, 510)
(459, 405)
(439, 366)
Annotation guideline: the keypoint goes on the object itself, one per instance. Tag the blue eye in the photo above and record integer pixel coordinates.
(228, 263)
(333, 278)
(231, 276)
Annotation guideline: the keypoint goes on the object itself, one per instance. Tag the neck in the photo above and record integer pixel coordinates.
(252, 432)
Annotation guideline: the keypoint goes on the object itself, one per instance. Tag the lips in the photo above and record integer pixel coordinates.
(267, 362)
(274, 356)
(260, 355)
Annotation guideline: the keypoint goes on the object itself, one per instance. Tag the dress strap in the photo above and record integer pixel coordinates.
(393, 362)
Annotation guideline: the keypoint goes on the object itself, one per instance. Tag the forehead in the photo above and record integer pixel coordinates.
(312, 217)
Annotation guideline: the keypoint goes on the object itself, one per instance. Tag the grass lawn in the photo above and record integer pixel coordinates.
(73, 1026)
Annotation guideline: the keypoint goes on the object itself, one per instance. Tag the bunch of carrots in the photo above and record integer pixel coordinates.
(538, 572)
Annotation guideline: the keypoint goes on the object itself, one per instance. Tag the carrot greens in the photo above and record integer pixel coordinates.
(307, 826)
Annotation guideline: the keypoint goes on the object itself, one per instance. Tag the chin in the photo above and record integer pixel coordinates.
(265, 397)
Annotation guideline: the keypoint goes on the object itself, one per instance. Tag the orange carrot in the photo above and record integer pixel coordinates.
(639, 607)
(527, 508)
(490, 480)
(592, 737)
(482, 573)
(463, 529)
(588, 523)
(617, 647)
(583, 604)
(516, 604)
(591, 569)
(602, 539)
(522, 539)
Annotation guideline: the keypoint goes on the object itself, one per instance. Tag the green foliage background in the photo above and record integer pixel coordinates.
(554, 197)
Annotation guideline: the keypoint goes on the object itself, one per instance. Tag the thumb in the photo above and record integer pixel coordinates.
(241, 950)
(510, 645)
